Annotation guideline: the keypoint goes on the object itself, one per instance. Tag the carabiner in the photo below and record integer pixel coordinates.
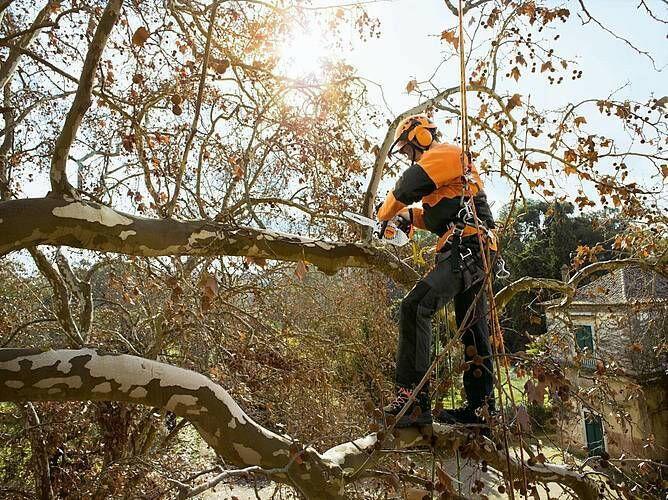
(501, 272)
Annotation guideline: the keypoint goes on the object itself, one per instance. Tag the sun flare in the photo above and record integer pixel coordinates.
(303, 54)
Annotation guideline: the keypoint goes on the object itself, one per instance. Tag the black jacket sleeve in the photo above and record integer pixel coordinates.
(413, 184)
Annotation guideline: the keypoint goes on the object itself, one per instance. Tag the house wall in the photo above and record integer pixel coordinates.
(657, 409)
(626, 426)
(639, 412)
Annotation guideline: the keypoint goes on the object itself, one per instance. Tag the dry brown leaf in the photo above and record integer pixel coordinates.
(513, 102)
(301, 270)
(258, 261)
(411, 86)
(546, 66)
(444, 481)
(636, 347)
(209, 285)
(416, 494)
(570, 156)
(450, 37)
(140, 36)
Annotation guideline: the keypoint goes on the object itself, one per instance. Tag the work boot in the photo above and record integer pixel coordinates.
(418, 413)
(464, 415)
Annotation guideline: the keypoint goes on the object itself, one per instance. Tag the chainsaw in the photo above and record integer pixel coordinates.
(387, 232)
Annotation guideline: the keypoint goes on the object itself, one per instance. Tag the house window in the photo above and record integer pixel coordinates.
(594, 433)
(584, 341)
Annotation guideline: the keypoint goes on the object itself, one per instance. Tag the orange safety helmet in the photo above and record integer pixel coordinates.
(418, 130)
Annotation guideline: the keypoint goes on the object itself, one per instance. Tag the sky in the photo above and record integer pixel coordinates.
(410, 48)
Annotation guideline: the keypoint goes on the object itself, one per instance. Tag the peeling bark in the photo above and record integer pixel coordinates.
(86, 374)
(49, 221)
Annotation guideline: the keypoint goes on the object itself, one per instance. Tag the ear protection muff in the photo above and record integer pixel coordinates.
(421, 135)
(416, 131)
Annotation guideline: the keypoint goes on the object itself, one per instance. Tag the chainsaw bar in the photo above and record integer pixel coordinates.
(393, 235)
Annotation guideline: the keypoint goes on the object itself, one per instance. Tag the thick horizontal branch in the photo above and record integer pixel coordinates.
(353, 457)
(568, 289)
(87, 374)
(50, 221)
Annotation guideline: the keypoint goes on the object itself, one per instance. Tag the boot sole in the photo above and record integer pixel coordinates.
(408, 421)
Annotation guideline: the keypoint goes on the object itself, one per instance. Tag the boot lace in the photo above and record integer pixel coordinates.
(403, 395)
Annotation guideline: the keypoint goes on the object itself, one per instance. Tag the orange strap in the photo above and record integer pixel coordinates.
(468, 231)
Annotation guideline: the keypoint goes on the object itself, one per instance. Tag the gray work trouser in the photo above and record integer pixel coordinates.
(440, 285)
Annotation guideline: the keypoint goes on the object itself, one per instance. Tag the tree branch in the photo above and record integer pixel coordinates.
(86, 374)
(568, 289)
(609, 31)
(446, 439)
(61, 302)
(49, 221)
(82, 101)
(11, 63)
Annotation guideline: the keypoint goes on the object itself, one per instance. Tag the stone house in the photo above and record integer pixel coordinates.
(615, 334)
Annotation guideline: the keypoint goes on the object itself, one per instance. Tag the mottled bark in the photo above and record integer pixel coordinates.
(28, 222)
(86, 374)
(446, 439)
(82, 100)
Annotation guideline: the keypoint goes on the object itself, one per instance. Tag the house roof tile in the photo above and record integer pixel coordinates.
(629, 284)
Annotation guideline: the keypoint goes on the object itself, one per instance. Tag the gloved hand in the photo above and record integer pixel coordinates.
(403, 222)
(380, 231)
(382, 225)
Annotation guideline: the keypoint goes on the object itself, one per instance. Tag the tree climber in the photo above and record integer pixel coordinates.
(437, 177)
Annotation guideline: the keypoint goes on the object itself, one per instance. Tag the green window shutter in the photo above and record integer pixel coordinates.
(594, 433)
(584, 339)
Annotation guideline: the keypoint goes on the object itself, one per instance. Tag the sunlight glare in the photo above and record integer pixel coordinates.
(303, 54)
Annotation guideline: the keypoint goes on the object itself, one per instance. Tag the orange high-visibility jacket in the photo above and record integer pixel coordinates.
(437, 180)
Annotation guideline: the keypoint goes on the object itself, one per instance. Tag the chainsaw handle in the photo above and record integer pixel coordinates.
(381, 229)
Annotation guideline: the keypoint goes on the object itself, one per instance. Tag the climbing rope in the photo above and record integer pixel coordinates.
(469, 209)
